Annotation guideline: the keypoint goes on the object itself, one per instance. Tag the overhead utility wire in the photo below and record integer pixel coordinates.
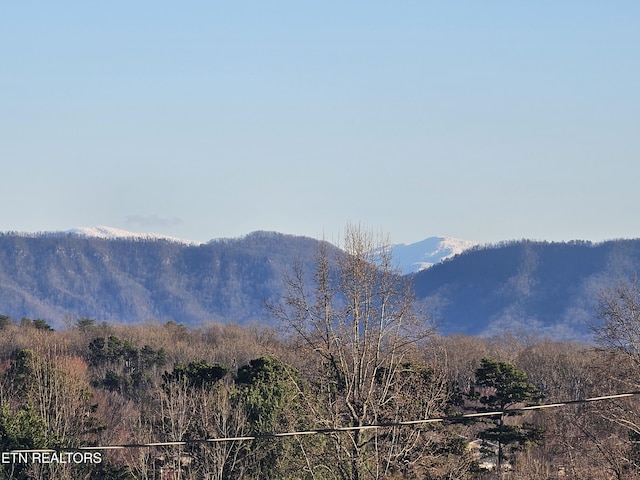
(454, 418)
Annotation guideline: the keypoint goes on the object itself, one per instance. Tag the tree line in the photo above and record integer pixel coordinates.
(353, 351)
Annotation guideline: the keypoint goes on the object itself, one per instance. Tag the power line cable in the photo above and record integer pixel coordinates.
(325, 431)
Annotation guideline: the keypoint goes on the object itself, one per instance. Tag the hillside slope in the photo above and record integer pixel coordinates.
(532, 287)
(132, 280)
(547, 288)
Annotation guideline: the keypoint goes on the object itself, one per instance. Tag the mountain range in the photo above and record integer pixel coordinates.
(409, 257)
(530, 287)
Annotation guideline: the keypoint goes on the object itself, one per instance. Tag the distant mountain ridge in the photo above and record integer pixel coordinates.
(410, 258)
(116, 233)
(546, 288)
(533, 287)
(57, 276)
(414, 257)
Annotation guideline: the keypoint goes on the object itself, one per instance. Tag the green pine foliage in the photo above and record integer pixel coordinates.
(498, 387)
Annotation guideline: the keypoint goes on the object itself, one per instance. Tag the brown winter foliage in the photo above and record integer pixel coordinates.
(353, 353)
(84, 400)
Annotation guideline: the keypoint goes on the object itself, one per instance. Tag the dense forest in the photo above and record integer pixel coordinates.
(542, 287)
(546, 287)
(353, 365)
(99, 384)
(129, 280)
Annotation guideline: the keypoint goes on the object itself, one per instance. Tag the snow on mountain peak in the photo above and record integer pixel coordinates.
(116, 233)
(417, 256)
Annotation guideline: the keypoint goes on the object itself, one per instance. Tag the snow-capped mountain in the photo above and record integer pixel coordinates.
(413, 257)
(116, 233)
(59, 276)
(410, 258)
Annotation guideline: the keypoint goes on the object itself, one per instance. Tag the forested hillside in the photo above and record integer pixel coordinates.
(547, 288)
(128, 280)
(106, 384)
(538, 287)
(354, 384)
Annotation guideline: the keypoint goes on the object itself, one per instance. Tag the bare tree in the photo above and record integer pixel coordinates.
(218, 417)
(616, 430)
(359, 320)
(619, 311)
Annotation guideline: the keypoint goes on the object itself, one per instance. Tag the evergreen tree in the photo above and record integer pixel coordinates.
(499, 386)
(20, 429)
(270, 393)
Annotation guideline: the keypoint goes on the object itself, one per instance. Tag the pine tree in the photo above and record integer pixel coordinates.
(504, 385)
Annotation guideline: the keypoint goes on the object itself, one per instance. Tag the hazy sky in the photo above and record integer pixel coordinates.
(484, 120)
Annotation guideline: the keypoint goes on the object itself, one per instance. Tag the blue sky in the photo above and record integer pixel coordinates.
(486, 121)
